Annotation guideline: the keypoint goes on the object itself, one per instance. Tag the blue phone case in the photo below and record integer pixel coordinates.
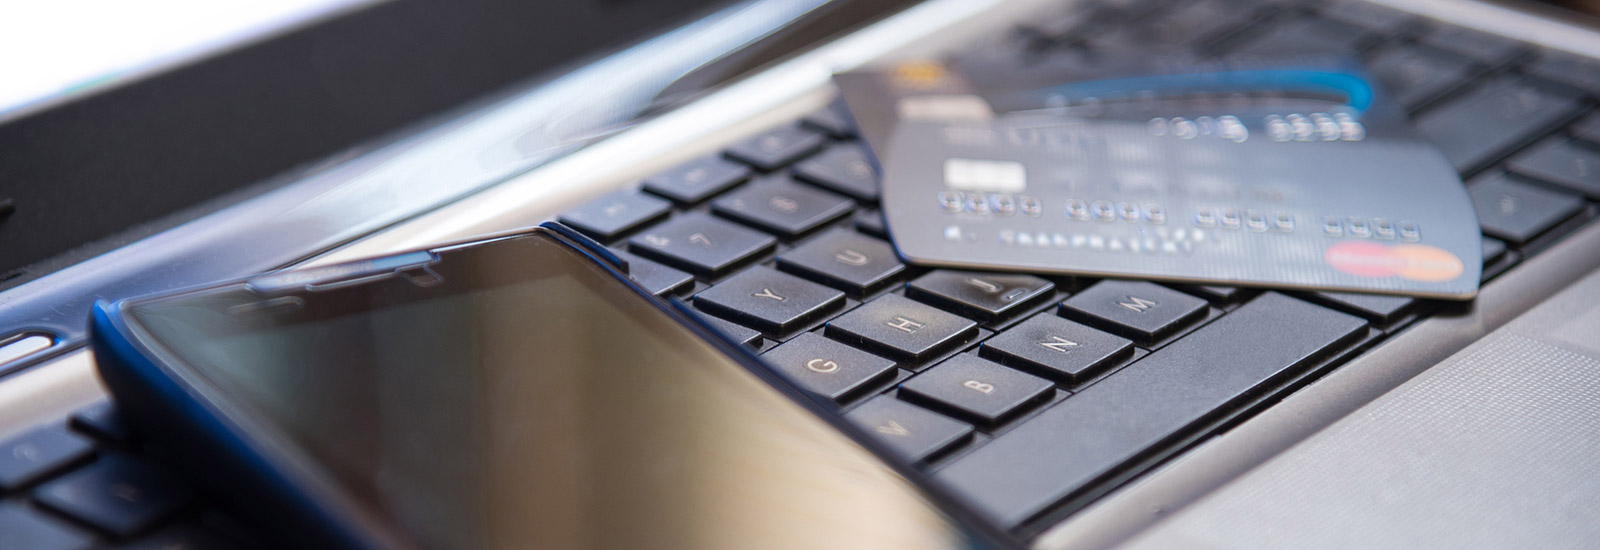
(249, 477)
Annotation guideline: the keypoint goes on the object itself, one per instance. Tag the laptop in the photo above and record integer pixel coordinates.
(1207, 416)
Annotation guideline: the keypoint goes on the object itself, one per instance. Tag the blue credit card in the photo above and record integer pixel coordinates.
(1290, 173)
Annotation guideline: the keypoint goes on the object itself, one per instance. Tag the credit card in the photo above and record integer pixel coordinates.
(1288, 173)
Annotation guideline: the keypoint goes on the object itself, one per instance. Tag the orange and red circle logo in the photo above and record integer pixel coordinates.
(1416, 262)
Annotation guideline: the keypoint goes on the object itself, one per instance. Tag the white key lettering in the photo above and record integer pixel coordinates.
(893, 428)
(656, 241)
(984, 387)
(851, 257)
(905, 325)
(1137, 304)
(784, 204)
(1059, 344)
(822, 365)
(983, 285)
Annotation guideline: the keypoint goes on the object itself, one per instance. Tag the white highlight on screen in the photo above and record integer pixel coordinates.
(51, 50)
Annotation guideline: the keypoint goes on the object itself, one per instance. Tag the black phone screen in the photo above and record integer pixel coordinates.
(530, 400)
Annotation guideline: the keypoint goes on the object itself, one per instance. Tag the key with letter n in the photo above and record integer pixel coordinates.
(1056, 348)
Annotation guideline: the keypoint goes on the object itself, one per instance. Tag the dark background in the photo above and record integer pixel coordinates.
(140, 153)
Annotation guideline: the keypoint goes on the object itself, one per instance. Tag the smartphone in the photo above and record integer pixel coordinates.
(513, 392)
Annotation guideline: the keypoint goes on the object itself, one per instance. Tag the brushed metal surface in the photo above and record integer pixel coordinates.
(1493, 447)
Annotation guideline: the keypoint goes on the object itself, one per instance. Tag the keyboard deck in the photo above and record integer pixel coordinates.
(1030, 395)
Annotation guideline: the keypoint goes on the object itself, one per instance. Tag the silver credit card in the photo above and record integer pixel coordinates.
(1283, 173)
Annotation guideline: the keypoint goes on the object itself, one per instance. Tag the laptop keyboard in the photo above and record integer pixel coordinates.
(1031, 395)
(87, 482)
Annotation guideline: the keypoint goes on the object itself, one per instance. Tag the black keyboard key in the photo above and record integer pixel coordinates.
(697, 180)
(782, 206)
(1418, 77)
(979, 295)
(31, 456)
(25, 529)
(739, 334)
(104, 422)
(872, 223)
(120, 495)
(1217, 294)
(845, 260)
(1563, 163)
(1493, 249)
(1489, 49)
(615, 214)
(1056, 348)
(1083, 18)
(1517, 212)
(1573, 70)
(1182, 25)
(1142, 311)
(844, 169)
(915, 433)
(1060, 26)
(1372, 17)
(901, 327)
(768, 300)
(701, 244)
(1587, 130)
(1305, 35)
(1378, 308)
(828, 368)
(1060, 451)
(1474, 129)
(778, 148)
(187, 537)
(660, 280)
(833, 120)
(978, 390)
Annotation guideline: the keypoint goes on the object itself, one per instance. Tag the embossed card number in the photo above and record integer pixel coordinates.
(1298, 173)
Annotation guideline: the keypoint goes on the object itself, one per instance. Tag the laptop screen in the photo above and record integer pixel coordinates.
(122, 119)
(123, 41)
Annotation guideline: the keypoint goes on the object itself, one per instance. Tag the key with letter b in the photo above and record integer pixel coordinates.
(975, 389)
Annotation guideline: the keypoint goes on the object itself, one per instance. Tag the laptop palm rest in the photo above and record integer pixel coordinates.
(1491, 448)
